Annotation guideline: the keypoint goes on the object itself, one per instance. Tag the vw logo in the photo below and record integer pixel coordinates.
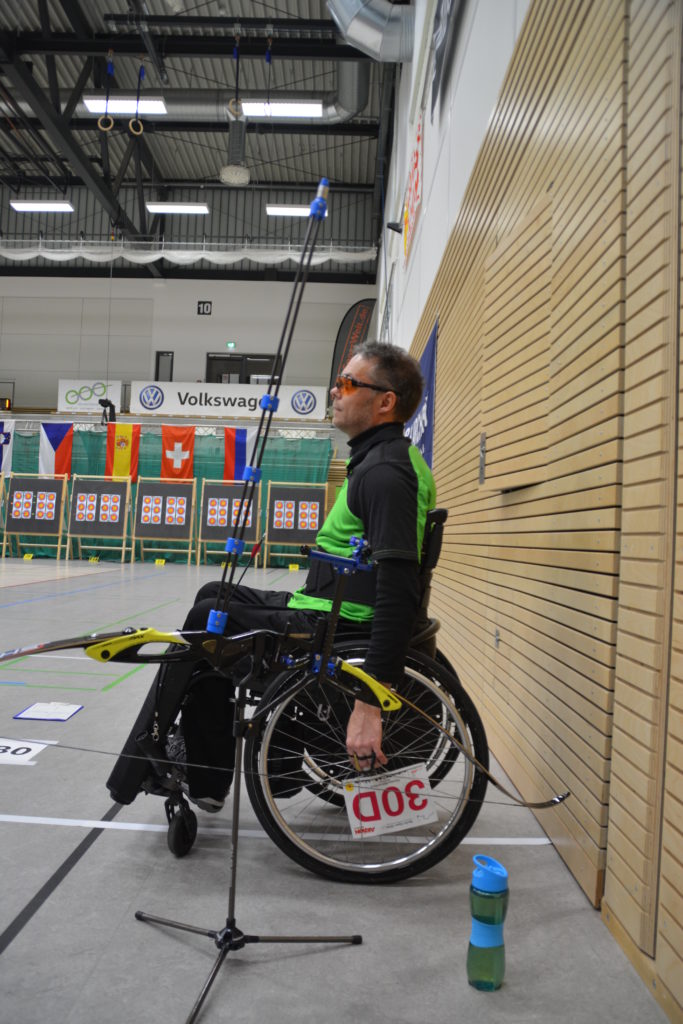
(85, 393)
(151, 397)
(303, 402)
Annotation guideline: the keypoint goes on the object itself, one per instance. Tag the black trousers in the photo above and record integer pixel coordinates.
(207, 714)
(203, 698)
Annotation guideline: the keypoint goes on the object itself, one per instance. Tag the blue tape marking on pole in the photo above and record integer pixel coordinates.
(233, 545)
(217, 622)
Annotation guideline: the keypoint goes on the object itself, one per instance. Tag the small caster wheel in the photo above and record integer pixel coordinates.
(182, 832)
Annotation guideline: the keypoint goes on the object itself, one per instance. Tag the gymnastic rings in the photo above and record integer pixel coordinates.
(135, 126)
(105, 123)
(235, 107)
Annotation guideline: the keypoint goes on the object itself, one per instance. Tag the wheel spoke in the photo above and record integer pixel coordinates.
(297, 768)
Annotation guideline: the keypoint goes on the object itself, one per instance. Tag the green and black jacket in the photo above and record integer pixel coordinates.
(385, 498)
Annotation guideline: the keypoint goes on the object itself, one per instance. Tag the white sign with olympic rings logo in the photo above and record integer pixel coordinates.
(85, 395)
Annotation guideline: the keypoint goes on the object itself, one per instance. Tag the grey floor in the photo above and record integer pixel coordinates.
(72, 878)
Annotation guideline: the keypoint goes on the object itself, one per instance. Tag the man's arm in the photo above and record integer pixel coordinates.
(395, 610)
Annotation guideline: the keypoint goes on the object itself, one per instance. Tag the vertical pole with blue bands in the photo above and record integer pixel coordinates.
(218, 616)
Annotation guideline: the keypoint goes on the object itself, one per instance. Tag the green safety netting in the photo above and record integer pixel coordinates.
(286, 459)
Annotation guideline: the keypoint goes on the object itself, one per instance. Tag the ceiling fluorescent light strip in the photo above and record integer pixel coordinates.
(125, 105)
(261, 108)
(274, 210)
(192, 208)
(41, 206)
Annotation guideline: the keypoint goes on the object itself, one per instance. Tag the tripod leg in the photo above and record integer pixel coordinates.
(353, 940)
(140, 915)
(218, 963)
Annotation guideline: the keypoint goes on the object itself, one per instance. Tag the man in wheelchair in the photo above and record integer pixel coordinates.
(386, 497)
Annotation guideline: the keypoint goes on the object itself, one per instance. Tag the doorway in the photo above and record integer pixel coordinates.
(228, 368)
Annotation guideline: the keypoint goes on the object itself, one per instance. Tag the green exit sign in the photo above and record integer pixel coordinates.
(230, 344)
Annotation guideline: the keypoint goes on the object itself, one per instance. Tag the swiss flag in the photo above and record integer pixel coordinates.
(177, 452)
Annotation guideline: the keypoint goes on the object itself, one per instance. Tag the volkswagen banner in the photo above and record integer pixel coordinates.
(224, 401)
(76, 396)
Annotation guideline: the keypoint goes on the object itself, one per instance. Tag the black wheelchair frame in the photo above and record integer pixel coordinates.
(295, 762)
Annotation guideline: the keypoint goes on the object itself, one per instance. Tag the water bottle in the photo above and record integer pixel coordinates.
(488, 902)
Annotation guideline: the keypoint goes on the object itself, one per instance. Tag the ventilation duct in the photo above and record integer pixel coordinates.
(376, 27)
(350, 98)
(235, 172)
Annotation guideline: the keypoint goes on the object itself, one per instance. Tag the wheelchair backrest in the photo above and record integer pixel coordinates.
(431, 549)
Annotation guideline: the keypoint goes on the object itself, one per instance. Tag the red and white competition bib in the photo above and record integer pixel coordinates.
(391, 802)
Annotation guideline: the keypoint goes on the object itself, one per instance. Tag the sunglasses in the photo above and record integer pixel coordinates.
(345, 384)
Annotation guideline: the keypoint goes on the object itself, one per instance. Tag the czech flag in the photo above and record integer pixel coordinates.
(239, 443)
(6, 442)
(56, 443)
(123, 450)
(177, 452)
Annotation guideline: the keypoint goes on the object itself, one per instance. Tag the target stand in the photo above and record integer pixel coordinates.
(100, 511)
(35, 507)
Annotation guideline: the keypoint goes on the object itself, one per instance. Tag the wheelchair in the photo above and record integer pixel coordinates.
(308, 797)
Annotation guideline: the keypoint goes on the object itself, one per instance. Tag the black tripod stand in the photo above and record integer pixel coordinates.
(231, 937)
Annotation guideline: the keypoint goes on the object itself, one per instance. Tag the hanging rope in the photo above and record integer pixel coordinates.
(269, 62)
(234, 106)
(135, 125)
(106, 122)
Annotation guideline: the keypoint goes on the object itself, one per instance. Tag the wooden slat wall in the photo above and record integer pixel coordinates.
(514, 399)
(527, 582)
(649, 492)
(557, 597)
(644, 885)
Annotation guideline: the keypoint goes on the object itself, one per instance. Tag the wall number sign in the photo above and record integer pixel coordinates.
(204, 308)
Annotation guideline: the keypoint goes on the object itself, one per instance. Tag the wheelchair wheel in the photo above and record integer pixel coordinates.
(296, 754)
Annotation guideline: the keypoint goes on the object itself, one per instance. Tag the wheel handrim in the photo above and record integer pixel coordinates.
(320, 828)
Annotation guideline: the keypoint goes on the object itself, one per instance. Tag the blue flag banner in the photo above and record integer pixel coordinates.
(6, 442)
(420, 428)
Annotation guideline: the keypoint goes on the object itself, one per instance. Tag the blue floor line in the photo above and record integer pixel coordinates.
(68, 593)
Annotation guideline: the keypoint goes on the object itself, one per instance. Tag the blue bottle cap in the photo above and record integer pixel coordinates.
(488, 875)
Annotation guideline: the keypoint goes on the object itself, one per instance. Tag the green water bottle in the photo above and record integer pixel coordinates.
(488, 902)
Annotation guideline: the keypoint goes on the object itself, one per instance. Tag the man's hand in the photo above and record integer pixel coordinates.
(364, 736)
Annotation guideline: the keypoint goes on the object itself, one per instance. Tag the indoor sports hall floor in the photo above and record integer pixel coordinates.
(76, 867)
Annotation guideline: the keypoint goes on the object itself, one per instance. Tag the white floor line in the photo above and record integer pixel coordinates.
(130, 826)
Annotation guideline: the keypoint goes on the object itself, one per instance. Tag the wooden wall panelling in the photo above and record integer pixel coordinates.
(513, 562)
(669, 936)
(648, 526)
(514, 390)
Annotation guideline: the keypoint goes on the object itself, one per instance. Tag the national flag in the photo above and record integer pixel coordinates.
(6, 443)
(239, 444)
(177, 452)
(123, 450)
(56, 443)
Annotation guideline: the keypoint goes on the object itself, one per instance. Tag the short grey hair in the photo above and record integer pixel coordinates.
(397, 370)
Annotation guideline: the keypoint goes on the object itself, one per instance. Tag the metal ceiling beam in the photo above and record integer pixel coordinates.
(49, 60)
(366, 130)
(207, 185)
(77, 90)
(58, 132)
(295, 26)
(128, 45)
(153, 53)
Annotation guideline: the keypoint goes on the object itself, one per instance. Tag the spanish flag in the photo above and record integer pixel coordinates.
(123, 450)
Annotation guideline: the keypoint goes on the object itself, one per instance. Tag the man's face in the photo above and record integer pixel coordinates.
(358, 408)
